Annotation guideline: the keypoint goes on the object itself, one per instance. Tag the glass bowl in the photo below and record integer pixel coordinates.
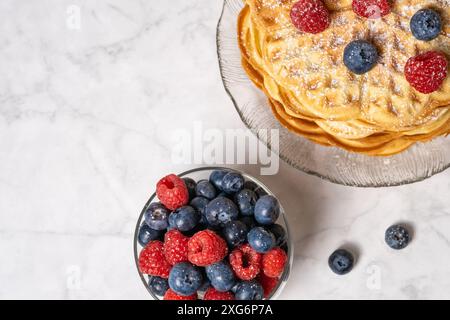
(203, 173)
(419, 162)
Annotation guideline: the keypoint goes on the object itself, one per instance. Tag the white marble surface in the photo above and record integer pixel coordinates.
(85, 117)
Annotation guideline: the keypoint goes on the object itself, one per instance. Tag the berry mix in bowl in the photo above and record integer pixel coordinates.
(213, 234)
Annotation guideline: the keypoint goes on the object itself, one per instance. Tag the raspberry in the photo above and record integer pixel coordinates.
(205, 248)
(427, 71)
(170, 295)
(245, 262)
(152, 260)
(273, 262)
(213, 294)
(175, 247)
(310, 16)
(172, 192)
(268, 284)
(372, 9)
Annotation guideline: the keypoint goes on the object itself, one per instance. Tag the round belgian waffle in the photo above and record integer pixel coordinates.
(313, 93)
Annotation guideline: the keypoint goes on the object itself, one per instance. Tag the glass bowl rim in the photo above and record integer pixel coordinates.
(285, 158)
(286, 273)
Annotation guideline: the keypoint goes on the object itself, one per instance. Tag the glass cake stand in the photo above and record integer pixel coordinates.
(419, 162)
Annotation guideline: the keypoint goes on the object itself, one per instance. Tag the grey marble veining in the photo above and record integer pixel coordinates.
(85, 118)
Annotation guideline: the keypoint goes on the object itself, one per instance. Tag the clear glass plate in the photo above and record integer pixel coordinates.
(203, 173)
(419, 162)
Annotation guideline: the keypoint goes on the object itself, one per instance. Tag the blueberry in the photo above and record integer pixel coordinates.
(199, 204)
(249, 221)
(260, 239)
(217, 229)
(249, 290)
(397, 237)
(426, 24)
(147, 234)
(226, 195)
(205, 189)
(205, 285)
(203, 223)
(220, 211)
(216, 178)
(232, 182)
(341, 261)
(279, 233)
(360, 56)
(267, 210)
(250, 185)
(199, 227)
(185, 279)
(235, 233)
(184, 218)
(221, 276)
(156, 216)
(246, 200)
(158, 285)
(190, 184)
(260, 192)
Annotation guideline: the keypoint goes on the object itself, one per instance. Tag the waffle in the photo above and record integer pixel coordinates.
(312, 93)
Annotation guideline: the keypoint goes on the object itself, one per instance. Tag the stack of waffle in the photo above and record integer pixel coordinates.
(313, 93)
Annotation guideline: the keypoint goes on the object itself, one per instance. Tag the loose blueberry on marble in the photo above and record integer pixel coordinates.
(147, 234)
(205, 189)
(260, 239)
(267, 210)
(185, 278)
(156, 216)
(397, 237)
(232, 182)
(216, 178)
(426, 24)
(341, 261)
(279, 234)
(158, 285)
(246, 200)
(190, 184)
(220, 211)
(221, 276)
(235, 233)
(184, 218)
(249, 290)
(360, 56)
